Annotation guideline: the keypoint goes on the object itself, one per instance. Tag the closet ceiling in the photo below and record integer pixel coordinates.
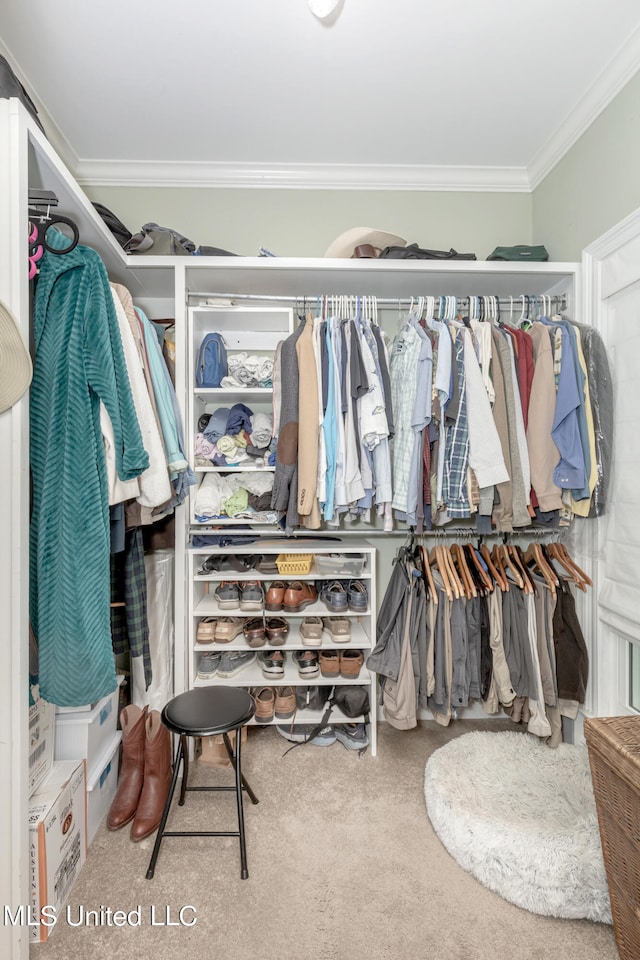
(413, 92)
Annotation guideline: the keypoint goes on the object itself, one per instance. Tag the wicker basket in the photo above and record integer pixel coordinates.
(614, 756)
(294, 564)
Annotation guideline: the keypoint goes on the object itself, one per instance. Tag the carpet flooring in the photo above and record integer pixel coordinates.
(343, 863)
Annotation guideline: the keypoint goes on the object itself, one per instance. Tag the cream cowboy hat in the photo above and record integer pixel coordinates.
(15, 363)
(345, 244)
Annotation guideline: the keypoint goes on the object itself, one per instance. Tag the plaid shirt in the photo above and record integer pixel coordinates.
(456, 459)
(129, 625)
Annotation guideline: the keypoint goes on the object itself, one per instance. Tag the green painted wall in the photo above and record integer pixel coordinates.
(594, 186)
(304, 222)
(597, 182)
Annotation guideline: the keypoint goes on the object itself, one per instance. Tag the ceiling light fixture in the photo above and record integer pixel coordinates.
(322, 8)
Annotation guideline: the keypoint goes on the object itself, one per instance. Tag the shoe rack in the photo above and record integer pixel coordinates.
(203, 603)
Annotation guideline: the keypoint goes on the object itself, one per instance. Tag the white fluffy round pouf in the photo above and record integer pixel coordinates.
(521, 818)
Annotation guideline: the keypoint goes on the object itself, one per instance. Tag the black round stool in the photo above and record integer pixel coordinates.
(205, 712)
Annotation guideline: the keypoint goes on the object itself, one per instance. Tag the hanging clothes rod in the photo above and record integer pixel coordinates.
(441, 533)
(505, 303)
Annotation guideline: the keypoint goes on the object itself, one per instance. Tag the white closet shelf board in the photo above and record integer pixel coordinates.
(359, 641)
(208, 607)
(252, 676)
(238, 469)
(310, 277)
(284, 544)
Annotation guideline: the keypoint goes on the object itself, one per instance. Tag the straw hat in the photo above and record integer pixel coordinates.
(345, 244)
(15, 362)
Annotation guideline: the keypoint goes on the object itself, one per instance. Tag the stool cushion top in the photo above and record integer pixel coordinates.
(205, 711)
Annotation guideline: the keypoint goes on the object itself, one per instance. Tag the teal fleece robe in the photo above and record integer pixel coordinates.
(79, 361)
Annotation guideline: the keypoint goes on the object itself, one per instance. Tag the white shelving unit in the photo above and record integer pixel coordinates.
(202, 603)
(252, 330)
(163, 287)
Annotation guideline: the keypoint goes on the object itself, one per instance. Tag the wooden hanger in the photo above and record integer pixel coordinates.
(534, 557)
(512, 564)
(516, 555)
(426, 569)
(495, 570)
(562, 549)
(502, 559)
(460, 561)
(454, 579)
(483, 576)
(435, 557)
(555, 554)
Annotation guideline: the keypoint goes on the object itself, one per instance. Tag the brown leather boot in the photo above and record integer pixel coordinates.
(157, 777)
(124, 804)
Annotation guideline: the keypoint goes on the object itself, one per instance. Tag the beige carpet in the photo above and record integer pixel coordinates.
(343, 864)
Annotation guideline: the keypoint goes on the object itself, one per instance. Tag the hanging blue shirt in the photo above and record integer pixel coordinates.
(569, 472)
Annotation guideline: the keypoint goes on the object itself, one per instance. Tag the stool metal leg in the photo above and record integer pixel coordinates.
(227, 744)
(244, 873)
(165, 813)
(185, 770)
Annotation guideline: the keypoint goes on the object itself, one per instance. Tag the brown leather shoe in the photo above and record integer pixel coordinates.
(350, 663)
(277, 631)
(275, 596)
(125, 803)
(254, 632)
(157, 777)
(285, 706)
(265, 701)
(329, 663)
(299, 595)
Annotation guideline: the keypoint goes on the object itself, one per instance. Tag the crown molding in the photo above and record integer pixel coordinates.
(619, 71)
(301, 176)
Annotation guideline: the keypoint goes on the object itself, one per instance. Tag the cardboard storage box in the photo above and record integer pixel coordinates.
(57, 841)
(212, 752)
(87, 735)
(101, 786)
(41, 738)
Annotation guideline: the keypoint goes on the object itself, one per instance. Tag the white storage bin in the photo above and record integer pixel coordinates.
(101, 787)
(86, 735)
(340, 564)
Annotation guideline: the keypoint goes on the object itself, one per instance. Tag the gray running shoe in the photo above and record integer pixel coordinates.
(300, 734)
(352, 735)
(235, 661)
